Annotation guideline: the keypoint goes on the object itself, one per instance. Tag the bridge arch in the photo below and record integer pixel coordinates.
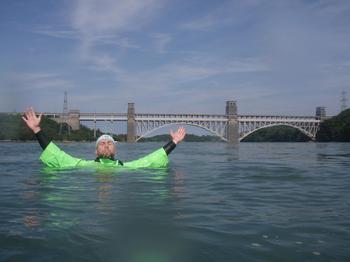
(181, 123)
(278, 124)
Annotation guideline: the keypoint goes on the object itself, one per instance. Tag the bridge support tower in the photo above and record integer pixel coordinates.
(131, 128)
(73, 119)
(232, 131)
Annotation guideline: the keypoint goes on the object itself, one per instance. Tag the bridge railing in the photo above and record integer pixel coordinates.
(270, 118)
(180, 117)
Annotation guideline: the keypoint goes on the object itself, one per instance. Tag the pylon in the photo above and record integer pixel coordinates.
(343, 101)
(65, 114)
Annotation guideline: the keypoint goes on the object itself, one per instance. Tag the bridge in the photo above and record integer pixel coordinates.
(230, 127)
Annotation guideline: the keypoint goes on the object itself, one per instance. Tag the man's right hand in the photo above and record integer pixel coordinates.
(32, 121)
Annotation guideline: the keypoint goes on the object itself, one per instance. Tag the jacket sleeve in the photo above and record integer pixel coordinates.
(158, 158)
(53, 156)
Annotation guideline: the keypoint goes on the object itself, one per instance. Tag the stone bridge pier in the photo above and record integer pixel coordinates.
(232, 129)
(131, 124)
(72, 119)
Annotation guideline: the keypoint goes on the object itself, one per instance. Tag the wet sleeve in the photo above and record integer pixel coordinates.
(42, 139)
(156, 159)
(169, 147)
(53, 156)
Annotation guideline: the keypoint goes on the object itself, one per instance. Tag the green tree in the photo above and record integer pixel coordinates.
(12, 127)
(277, 134)
(335, 129)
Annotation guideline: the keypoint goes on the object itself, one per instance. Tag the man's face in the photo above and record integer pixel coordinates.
(105, 148)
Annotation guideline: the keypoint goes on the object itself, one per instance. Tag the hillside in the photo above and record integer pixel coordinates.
(13, 128)
(188, 138)
(277, 134)
(335, 129)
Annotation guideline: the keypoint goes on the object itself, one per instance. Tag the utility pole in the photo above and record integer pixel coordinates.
(65, 115)
(343, 101)
(95, 124)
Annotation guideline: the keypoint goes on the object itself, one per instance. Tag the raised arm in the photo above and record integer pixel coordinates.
(176, 137)
(158, 158)
(33, 122)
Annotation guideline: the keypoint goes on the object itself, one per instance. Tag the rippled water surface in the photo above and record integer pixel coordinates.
(215, 202)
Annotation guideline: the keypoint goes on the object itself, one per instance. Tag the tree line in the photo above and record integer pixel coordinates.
(13, 128)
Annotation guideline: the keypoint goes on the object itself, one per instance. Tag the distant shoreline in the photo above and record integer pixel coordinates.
(85, 141)
(34, 141)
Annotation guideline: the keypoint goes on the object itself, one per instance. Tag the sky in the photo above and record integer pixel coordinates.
(178, 56)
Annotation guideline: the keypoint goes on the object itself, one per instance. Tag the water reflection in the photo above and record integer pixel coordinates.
(71, 194)
(30, 197)
(232, 151)
(104, 187)
(31, 219)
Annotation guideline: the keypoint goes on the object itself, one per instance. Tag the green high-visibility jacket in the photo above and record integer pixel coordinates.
(53, 156)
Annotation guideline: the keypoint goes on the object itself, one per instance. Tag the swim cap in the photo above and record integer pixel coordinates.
(105, 137)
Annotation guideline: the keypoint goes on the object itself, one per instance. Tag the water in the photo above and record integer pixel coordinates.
(215, 202)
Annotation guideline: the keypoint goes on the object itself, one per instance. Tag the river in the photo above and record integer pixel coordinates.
(215, 202)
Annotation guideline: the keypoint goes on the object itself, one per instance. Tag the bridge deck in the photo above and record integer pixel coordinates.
(187, 117)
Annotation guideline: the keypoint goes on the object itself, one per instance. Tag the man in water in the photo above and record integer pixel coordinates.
(105, 151)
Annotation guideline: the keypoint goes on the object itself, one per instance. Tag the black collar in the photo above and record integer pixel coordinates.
(111, 158)
(99, 157)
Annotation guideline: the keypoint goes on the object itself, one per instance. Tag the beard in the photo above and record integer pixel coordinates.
(106, 154)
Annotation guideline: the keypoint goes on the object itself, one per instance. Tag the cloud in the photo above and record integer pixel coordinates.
(105, 22)
(331, 9)
(35, 82)
(230, 13)
(34, 89)
(169, 77)
(94, 16)
(66, 34)
(104, 63)
(208, 22)
(161, 40)
(125, 16)
(101, 39)
(99, 19)
(188, 81)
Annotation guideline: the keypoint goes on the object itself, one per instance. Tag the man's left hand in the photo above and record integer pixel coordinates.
(179, 135)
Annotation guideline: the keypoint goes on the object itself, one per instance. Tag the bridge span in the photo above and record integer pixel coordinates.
(230, 127)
